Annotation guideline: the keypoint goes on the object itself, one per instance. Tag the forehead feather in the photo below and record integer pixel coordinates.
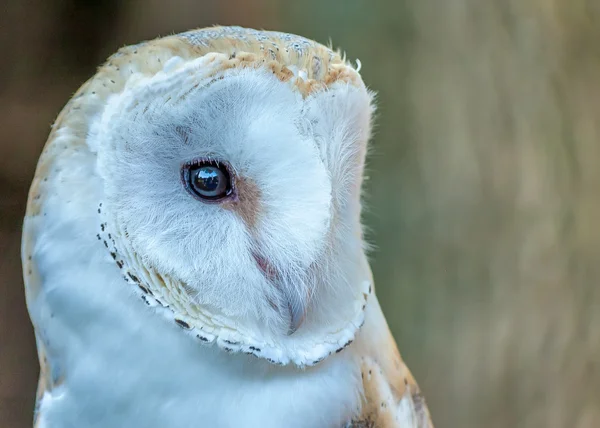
(307, 65)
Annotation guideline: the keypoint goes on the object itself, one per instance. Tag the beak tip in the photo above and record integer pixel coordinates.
(297, 316)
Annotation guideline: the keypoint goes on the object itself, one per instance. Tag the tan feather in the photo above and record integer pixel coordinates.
(392, 397)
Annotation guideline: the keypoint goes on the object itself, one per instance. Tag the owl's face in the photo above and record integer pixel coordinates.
(233, 190)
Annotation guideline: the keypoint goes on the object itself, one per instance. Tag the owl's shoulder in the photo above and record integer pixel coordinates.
(389, 405)
(391, 396)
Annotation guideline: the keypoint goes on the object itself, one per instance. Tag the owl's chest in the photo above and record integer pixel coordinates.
(121, 365)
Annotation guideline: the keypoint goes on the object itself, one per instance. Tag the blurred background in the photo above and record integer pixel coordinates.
(483, 190)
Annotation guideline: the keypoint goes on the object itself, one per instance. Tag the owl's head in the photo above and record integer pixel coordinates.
(231, 163)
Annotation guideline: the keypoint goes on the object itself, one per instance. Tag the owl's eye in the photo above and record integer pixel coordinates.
(208, 180)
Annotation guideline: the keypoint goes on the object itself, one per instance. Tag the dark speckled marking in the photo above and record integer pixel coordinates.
(367, 423)
(344, 346)
(133, 277)
(202, 338)
(182, 323)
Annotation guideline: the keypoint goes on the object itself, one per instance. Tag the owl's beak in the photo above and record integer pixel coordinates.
(297, 307)
(296, 304)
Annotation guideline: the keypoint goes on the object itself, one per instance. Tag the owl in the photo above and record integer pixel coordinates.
(192, 249)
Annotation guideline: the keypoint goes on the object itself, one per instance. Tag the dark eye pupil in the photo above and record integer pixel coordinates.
(208, 178)
(209, 181)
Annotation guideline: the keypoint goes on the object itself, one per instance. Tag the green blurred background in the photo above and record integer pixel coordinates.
(483, 189)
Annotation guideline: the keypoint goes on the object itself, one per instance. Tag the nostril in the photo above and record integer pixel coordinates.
(265, 266)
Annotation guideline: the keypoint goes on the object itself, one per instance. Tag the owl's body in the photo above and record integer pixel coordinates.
(160, 301)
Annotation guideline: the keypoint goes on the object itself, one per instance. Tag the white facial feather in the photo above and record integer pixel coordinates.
(248, 120)
(301, 158)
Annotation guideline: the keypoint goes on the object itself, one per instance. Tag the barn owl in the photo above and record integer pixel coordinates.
(192, 248)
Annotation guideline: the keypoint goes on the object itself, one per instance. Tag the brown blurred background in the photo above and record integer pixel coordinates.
(484, 187)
